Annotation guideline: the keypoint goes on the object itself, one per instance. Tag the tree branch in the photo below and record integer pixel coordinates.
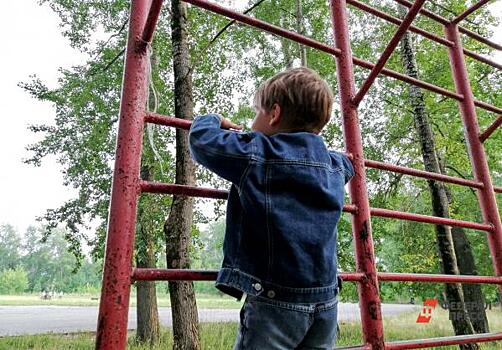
(437, 127)
(111, 37)
(459, 174)
(113, 60)
(221, 31)
(444, 8)
(392, 103)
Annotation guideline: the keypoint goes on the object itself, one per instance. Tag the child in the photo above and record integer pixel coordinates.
(283, 207)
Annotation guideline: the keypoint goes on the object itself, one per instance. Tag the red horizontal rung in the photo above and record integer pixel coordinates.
(487, 106)
(424, 277)
(386, 213)
(182, 190)
(142, 274)
(470, 10)
(486, 134)
(483, 59)
(191, 191)
(159, 119)
(173, 275)
(421, 173)
(479, 38)
(407, 79)
(443, 341)
(355, 347)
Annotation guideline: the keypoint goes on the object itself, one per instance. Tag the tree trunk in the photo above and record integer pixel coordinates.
(286, 45)
(301, 29)
(473, 295)
(440, 207)
(147, 314)
(146, 298)
(178, 226)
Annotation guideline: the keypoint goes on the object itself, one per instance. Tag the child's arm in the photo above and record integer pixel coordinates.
(345, 163)
(224, 152)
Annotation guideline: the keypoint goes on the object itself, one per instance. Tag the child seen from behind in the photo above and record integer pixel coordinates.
(283, 207)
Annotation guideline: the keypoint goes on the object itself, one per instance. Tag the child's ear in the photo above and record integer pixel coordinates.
(275, 115)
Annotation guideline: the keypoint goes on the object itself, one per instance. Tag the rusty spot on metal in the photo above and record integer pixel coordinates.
(140, 46)
(373, 310)
(99, 335)
(363, 233)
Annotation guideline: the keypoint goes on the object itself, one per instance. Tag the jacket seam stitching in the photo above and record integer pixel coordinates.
(248, 167)
(207, 149)
(267, 213)
(306, 163)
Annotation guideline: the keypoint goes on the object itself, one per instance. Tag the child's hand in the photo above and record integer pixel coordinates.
(227, 124)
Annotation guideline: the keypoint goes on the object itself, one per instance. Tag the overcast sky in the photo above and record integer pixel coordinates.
(32, 43)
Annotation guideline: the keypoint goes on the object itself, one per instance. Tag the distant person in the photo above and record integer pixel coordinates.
(284, 204)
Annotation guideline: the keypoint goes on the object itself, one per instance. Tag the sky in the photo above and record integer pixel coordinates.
(32, 44)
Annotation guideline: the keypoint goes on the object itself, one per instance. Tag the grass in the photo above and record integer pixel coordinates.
(219, 336)
(204, 301)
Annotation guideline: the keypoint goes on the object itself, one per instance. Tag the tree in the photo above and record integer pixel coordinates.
(13, 281)
(211, 254)
(178, 226)
(10, 246)
(51, 267)
(146, 298)
(439, 198)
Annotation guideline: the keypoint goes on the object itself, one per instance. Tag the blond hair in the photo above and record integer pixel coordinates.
(304, 97)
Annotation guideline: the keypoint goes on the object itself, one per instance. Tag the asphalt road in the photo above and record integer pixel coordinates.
(16, 320)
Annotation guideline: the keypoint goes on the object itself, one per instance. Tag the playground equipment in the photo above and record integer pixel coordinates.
(127, 185)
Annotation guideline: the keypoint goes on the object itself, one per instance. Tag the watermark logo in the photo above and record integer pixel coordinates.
(425, 314)
(462, 311)
(457, 310)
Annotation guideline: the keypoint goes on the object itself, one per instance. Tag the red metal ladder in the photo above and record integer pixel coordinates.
(127, 186)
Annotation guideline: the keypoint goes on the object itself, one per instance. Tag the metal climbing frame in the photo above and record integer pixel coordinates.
(127, 186)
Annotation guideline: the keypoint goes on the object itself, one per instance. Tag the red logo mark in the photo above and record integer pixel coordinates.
(426, 314)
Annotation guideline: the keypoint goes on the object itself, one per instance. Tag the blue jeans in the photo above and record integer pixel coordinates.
(269, 324)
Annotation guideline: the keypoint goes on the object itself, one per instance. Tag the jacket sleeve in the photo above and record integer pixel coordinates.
(344, 163)
(348, 168)
(224, 152)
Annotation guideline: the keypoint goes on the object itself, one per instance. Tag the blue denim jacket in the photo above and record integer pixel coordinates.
(284, 204)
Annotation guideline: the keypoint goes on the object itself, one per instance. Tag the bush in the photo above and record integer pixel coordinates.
(13, 281)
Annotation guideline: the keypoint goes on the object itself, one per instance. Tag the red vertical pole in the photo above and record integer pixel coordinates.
(115, 290)
(369, 298)
(486, 195)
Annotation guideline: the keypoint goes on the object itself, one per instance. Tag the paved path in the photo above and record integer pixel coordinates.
(15, 320)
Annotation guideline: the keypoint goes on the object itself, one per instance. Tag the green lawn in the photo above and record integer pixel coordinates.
(204, 301)
(220, 336)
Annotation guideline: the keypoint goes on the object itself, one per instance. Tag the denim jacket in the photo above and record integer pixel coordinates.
(284, 204)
